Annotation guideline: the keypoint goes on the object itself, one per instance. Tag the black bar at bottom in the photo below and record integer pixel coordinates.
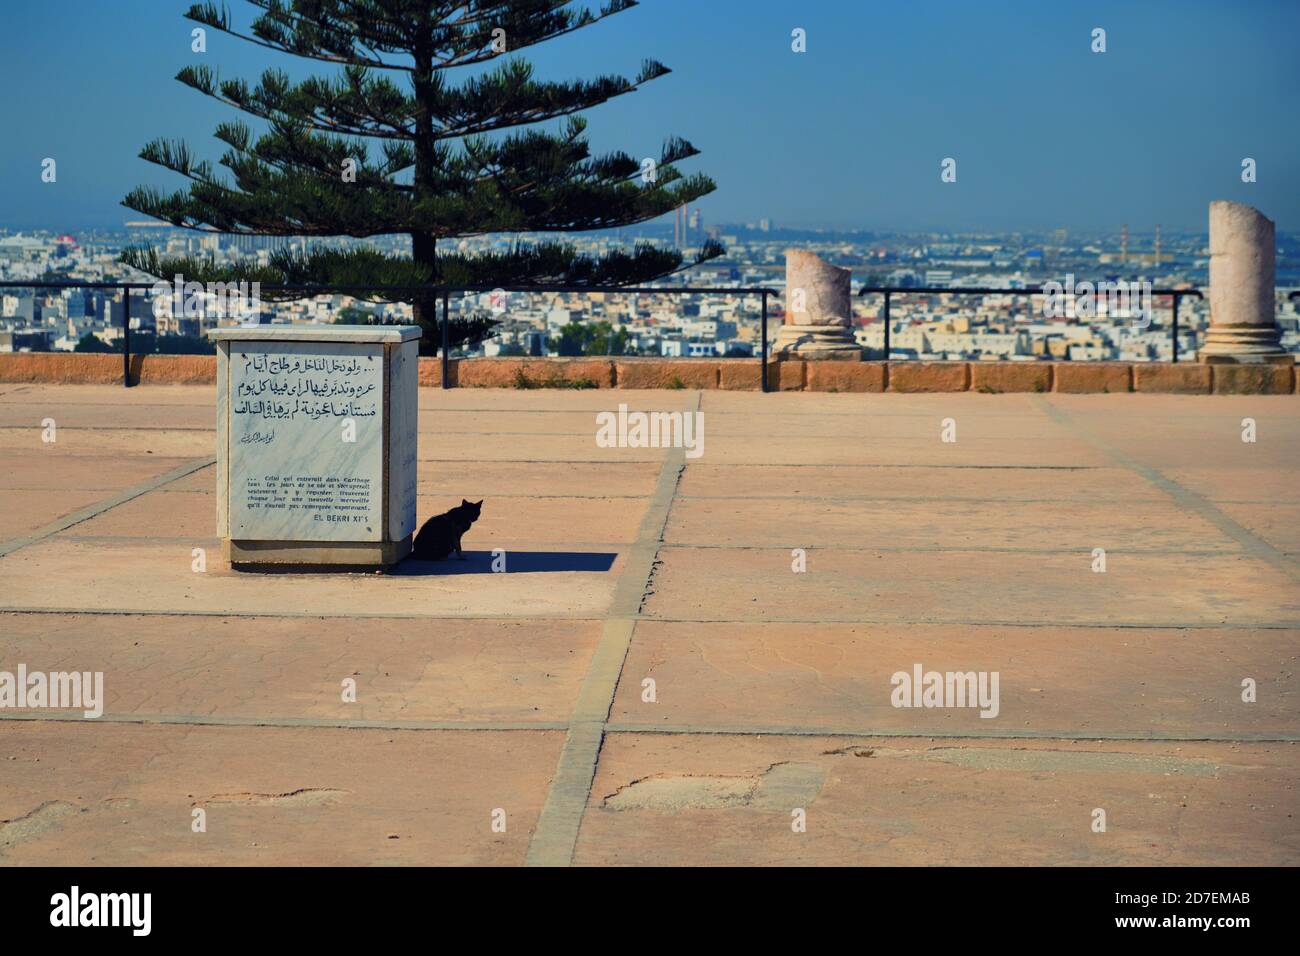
(1004, 903)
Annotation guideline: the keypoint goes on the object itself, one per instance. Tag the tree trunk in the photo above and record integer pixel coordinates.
(424, 244)
(425, 308)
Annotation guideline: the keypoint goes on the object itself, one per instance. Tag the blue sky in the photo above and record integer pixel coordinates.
(850, 133)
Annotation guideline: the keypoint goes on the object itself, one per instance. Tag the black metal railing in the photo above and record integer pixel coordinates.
(890, 291)
(763, 293)
(444, 292)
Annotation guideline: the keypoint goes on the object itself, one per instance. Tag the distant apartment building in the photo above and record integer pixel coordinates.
(903, 278)
(1088, 353)
(674, 347)
(23, 249)
(972, 345)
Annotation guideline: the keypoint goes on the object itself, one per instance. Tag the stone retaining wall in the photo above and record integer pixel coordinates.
(815, 376)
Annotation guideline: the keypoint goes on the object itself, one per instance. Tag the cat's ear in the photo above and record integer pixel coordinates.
(463, 503)
(479, 503)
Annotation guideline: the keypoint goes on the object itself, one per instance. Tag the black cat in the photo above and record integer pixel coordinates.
(441, 534)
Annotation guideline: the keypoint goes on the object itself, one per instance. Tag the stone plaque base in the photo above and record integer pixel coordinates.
(282, 555)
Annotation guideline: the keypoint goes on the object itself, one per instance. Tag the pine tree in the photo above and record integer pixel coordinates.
(391, 144)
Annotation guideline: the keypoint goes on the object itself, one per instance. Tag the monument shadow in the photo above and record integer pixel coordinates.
(516, 562)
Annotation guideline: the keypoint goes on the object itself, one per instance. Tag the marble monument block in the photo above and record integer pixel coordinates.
(316, 443)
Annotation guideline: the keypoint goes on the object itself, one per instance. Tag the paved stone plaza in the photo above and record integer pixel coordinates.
(524, 692)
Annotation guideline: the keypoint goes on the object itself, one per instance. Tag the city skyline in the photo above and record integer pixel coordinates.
(1046, 133)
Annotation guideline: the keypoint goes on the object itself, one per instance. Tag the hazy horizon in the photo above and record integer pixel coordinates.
(848, 135)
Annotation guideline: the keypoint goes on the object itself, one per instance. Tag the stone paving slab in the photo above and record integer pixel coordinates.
(77, 794)
(25, 511)
(106, 414)
(192, 515)
(536, 479)
(849, 450)
(530, 421)
(505, 446)
(539, 481)
(511, 670)
(127, 399)
(527, 479)
(1224, 482)
(1054, 680)
(968, 556)
(830, 523)
(1173, 438)
(41, 470)
(101, 442)
(1171, 408)
(862, 424)
(870, 424)
(711, 800)
(138, 575)
(703, 479)
(969, 586)
(1276, 523)
(507, 400)
(478, 451)
(816, 404)
(1187, 449)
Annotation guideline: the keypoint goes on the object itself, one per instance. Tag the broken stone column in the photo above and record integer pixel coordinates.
(818, 310)
(1242, 325)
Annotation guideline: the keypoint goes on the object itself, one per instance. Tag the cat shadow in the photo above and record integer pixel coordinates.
(516, 562)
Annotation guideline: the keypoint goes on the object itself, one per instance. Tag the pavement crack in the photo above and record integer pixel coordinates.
(33, 824)
(303, 797)
(780, 787)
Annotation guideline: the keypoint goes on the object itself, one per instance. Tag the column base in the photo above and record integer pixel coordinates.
(1275, 358)
(817, 342)
(1243, 345)
(335, 555)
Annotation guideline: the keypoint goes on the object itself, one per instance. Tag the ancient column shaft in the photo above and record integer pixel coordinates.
(1242, 325)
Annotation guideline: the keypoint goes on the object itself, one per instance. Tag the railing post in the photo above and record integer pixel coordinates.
(887, 324)
(446, 338)
(763, 363)
(126, 336)
(1174, 326)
